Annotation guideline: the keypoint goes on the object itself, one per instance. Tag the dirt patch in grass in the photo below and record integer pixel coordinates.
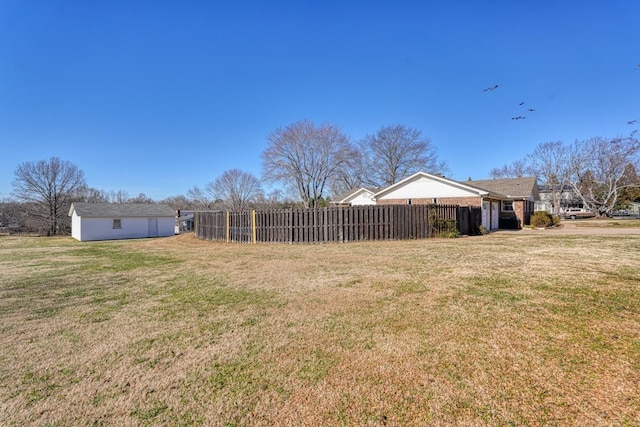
(519, 328)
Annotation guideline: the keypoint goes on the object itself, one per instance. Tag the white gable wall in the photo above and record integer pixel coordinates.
(131, 228)
(423, 188)
(76, 229)
(363, 198)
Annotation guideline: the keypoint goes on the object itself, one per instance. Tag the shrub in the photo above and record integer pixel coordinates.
(443, 227)
(541, 219)
(482, 230)
(451, 234)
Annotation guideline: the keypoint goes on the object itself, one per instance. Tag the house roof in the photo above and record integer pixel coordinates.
(418, 175)
(111, 210)
(346, 197)
(510, 187)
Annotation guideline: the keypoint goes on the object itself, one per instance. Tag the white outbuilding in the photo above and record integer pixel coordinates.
(110, 221)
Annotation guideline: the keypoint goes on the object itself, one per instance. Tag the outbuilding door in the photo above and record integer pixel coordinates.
(153, 227)
(495, 215)
(486, 215)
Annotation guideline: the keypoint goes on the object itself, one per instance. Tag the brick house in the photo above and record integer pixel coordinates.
(518, 197)
(505, 203)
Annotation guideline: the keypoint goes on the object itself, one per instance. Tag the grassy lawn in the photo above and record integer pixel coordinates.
(609, 222)
(509, 329)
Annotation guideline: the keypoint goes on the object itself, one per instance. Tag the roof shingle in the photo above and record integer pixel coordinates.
(510, 187)
(121, 210)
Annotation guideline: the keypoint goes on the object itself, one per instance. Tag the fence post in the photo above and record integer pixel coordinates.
(228, 230)
(253, 225)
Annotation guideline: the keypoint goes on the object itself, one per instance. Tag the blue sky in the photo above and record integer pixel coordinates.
(156, 97)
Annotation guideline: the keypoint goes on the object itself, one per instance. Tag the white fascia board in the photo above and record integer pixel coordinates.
(435, 178)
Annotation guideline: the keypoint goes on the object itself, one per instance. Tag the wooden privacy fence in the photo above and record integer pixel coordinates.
(337, 224)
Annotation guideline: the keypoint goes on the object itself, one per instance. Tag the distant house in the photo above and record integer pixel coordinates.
(110, 221)
(566, 198)
(185, 221)
(505, 203)
(633, 209)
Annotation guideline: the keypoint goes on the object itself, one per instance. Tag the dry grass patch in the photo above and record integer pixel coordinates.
(504, 329)
(609, 223)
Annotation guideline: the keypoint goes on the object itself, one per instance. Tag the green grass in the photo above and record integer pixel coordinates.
(503, 329)
(112, 257)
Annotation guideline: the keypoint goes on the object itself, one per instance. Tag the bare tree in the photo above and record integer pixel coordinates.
(599, 170)
(306, 157)
(140, 198)
(396, 152)
(47, 188)
(549, 163)
(13, 216)
(178, 202)
(631, 192)
(203, 199)
(237, 189)
(92, 195)
(517, 169)
(348, 177)
(275, 199)
(120, 196)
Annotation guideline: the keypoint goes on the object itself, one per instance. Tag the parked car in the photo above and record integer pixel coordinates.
(622, 212)
(576, 213)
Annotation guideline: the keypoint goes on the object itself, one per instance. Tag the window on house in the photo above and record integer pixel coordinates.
(408, 201)
(507, 206)
(117, 224)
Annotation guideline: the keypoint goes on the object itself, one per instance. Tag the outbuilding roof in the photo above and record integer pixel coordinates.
(120, 210)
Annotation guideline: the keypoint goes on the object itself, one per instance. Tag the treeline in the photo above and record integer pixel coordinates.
(312, 163)
(29, 217)
(601, 172)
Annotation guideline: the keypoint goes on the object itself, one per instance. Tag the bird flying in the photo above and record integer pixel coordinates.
(531, 109)
(630, 122)
(518, 118)
(490, 88)
(522, 103)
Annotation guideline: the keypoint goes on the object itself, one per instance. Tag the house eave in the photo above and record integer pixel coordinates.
(437, 178)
